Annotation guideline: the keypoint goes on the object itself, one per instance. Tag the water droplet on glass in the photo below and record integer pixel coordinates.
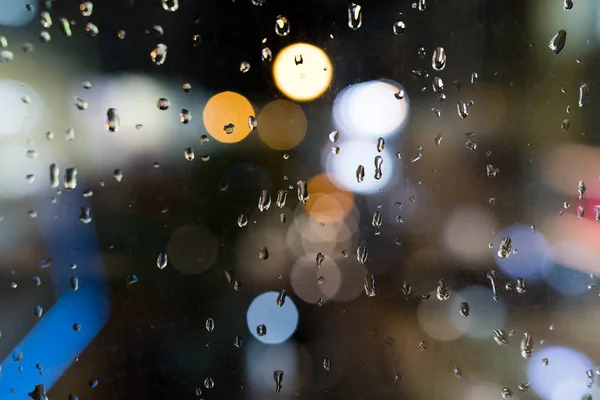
(303, 194)
(188, 153)
(45, 37)
(80, 103)
(17, 354)
(565, 124)
(65, 26)
(112, 120)
(86, 8)
(258, 3)
(163, 104)
(282, 26)
(185, 116)
(491, 171)
(75, 283)
(229, 128)
(242, 220)
(237, 342)
(545, 362)
(118, 174)
(423, 345)
(264, 201)
(380, 144)
(327, 364)
(584, 90)
(360, 173)
(399, 27)
(557, 43)
(500, 337)
(281, 198)
(210, 324)
(252, 122)
(6, 56)
(567, 4)
(443, 293)
(170, 5)
(159, 54)
(91, 30)
(334, 136)
(354, 16)
(580, 211)
(377, 219)
(70, 179)
(209, 383)
(524, 387)
(266, 54)
(521, 285)
(526, 345)
(45, 19)
(378, 163)
(362, 253)
(461, 108)
(417, 157)
(399, 95)
(121, 34)
(261, 330)
(369, 285)
(438, 59)
(278, 377)
(244, 67)
(281, 298)
(505, 247)
(162, 260)
(38, 311)
(506, 393)
(437, 84)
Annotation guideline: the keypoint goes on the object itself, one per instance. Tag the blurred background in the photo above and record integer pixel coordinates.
(261, 199)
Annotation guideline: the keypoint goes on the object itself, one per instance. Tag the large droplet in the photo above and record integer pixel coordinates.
(86, 8)
(303, 194)
(264, 201)
(261, 330)
(70, 180)
(443, 293)
(461, 108)
(354, 16)
(92, 30)
(558, 41)
(45, 19)
(583, 93)
(360, 173)
(185, 116)
(162, 260)
(75, 283)
(505, 247)
(281, 198)
(327, 364)
(500, 337)
(378, 163)
(112, 120)
(362, 253)
(65, 26)
(159, 54)
(170, 5)
(282, 26)
(369, 285)
(278, 377)
(188, 153)
(281, 298)
(242, 220)
(438, 59)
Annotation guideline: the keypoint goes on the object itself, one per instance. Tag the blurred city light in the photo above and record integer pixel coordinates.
(567, 280)
(527, 262)
(16, 13)
(280, 322)
(302, 71)
(485, 314)
(327, 203)
(226, 117)
(192, 249)
(371, 109)
(282, 125)
(21, 107)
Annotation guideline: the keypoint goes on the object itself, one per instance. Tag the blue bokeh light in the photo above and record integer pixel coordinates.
(281, 322)
(532, 249)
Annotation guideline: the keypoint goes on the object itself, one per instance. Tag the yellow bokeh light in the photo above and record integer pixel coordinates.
(328, 203)
(228, 112)
(282, 125)
(302, 71)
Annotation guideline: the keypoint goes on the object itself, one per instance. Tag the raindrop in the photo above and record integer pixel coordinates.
(399, 27)
(281, 198)
(362, 253)
(491, 276)
(75, 283)
(378, 163)
(188, 153)
(584, 90)
(303, 194)
(282, 218)
(464, 309)
(91, 29)
(210, 324)
(252, 122)
(17, 354)
(209, 383)
(263, 253)
(185, 116)
(443, 293)
(421, 5)
(506, 393)
(474, 77)
(320, 259)
(524, 387)
(170, 5)
(438, 139)
(163, 104)
(461, 108)
(500, 337)
(399, 95)
(70, 180)
(526, 345)
(237, 342)
(423, 345)
(558, 41)
(377, 219)
(118, 174)
(45, 19)
(281, 298)
(65, 27)
(84, 215)
(86, 8)
(242, 220)
(282, 26)
(121, 34)
(54, 175)
(505, 247)
(266, 54)
(545, 362)
(491, 171)
(360, 173)
(369, 285)
(278, 377)
(438, 59)
(6, 56)
(229, 128)
(567, 5)
(417, 157)
(45, 37)
(261, 330)
(565, 124)
(438, 84)
(354, 16)
(87, 85)
(244, 67)
(112, 120)
(38, 311)
(264, 201)
(159, 54)
(162, 260)
(380, 144)
(327, 364)
(521, 285)
(334, 136)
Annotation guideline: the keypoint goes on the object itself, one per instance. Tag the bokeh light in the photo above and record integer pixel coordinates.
(228, 108)
(281, 322)
(302, 71)
(531, 250)
(567, 280)
(370, 109)
(342, 167)
(467, 233)
(18, 116)
(311, 283)
(192, 249)
(564, 378)
(282, 125)
(15, 13)
(328, 203)
(436, 317)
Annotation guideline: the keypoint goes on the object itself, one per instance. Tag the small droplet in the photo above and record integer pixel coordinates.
(210, 324)
(266, 54)
(526, 345)
(242, 220)
(70, 179)
(438, 59)
(580, 211)
(252, 122)
(506, 393)
(380, 144)
(86, 8)
(369, 285)
(524, 387)
(354, 16)
(491, 171)
(521, 285)
(118, 174)
(45, 19)
(281, 198)
(565, 124)
(112, 120)
(443, 293)
(377, 219)
(423, 345)
(281, 298)
(185, 116)
(163, 104)
(45, 36)
(87, 85)
(378, 163)
(303, 194)
(65, 26)
(500, 337)
(567, 4)
(261, 330)
(229, 128)
(278, 377)
(327, 364)
(75, 283)
(121, 34)
(437, 84)
(558, 41)
(162, 260)
(461, 108)
(38, 311)
(465, 309)
(399, 95)
(545, 362)
(457, 372)
(581, 188)
(282, 26)
(91, 30)
(6, 56)
(583, 93)
(505, 247)
(263, 253)
(360, 173)
(244, 67)
(170, 5)
(264, 201)
(399, 27)
(159, 54)
(417, 157)
(334, 136)
(209, 383)
(237, 342)
(362, 254)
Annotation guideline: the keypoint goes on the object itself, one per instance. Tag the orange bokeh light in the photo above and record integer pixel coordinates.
(327, 202)
(282, 125)
(227, 108)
